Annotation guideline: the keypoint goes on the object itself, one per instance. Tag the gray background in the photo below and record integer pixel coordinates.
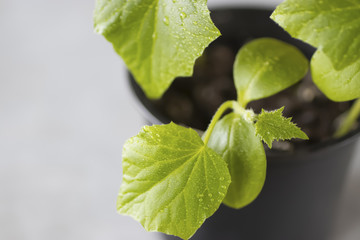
(65, 113)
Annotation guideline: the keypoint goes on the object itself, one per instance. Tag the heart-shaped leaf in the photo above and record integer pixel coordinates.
(158, 40)
(333, 26)
(172, 182)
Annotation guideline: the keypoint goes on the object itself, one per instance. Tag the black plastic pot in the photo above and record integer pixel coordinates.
(302, 189)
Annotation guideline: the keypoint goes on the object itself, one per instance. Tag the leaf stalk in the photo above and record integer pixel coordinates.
(225, 106)
(349, 120)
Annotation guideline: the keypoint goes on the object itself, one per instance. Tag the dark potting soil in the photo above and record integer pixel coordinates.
(192, 101)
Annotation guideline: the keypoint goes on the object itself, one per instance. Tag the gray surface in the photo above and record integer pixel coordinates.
(64, 115)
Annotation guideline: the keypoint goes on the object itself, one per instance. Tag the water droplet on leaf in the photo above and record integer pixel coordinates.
(182, 15)
(166, 20)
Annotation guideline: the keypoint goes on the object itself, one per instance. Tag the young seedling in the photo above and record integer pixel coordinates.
(172, 178)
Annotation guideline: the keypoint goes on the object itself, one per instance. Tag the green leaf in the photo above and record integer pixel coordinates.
(331, 25)
(158, 40)
(272, 126)
(234, 139)
(266, 66)
(172, 182)
(338, 85)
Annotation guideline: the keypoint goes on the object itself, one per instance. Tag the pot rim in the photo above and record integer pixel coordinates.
(155, 117)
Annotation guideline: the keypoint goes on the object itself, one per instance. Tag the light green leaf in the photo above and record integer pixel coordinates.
(266, 66)
(158, 40)
(172, 182)
(331, 25)
(338, 85)
(272, 126)
(234, 139)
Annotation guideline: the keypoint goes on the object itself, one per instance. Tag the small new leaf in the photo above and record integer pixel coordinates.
(172, 182)
(273, 125)
(158, 40)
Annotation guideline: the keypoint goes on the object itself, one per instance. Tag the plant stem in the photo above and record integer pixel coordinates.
(349, 120)
(241, 101)
(225, 106)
